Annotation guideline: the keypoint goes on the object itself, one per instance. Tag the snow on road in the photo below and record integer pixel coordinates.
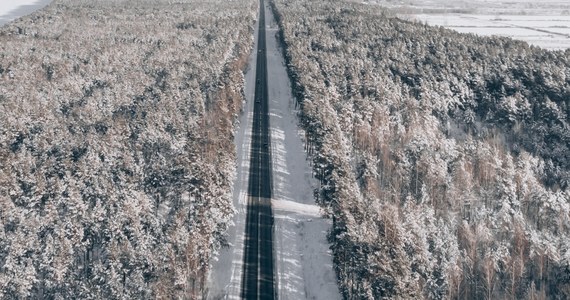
(12, 9)
(225, 277)
(303, 258)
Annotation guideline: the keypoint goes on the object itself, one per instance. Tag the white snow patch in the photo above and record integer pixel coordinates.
(536, 22)
(287, 206)
(549, 32)
(10, 10)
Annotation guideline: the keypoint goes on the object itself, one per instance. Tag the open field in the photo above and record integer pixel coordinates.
(550, 32)
(501, 7)
(545, 24)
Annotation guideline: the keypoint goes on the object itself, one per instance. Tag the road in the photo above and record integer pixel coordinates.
(258, 278)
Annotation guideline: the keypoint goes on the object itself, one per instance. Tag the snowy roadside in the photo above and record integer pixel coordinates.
(303, 259)
(303, 263)
(225, 277)
(11, 10)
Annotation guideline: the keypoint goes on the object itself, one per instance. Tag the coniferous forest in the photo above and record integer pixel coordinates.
(443, 158)
(116, 156)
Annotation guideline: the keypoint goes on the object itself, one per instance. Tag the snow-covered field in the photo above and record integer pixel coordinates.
(543, 23)
(303, 265)
(12, 9)
(550, 32)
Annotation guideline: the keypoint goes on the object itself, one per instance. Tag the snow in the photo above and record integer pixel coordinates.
(309, 210)
(225, 277)
(541, 23)
(561, 30)
(10, 10)
(493, 7)
(304, 268)
(303, 258)
(549, 32)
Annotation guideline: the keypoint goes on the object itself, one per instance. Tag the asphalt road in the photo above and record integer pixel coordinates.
(258, 277)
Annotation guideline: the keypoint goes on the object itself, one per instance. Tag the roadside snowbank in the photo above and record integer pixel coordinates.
(226, 273)
(303, 259)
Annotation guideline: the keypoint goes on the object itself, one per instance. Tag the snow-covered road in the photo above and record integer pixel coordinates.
(302, 254)
(303, 260)
(225, 277)
(12, 9)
